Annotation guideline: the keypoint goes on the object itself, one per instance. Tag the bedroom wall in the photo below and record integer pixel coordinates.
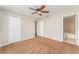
(3, 28)
(27, 26)
(53, 25)
(54, 28)
(0, 27)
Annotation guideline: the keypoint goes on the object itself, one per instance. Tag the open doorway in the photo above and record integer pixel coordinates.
(69, 28)
(39, 26)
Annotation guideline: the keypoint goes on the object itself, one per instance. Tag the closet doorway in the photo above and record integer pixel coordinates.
(70, 29)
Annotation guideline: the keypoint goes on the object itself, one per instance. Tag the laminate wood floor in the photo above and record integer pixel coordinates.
(39, 45)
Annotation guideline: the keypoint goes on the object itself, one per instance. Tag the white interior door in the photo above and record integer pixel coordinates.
(14, 29)
(40, 28)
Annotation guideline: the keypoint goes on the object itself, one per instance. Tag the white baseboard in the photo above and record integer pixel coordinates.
(29, 37)
(53, 38)
(5, 44)
(17, 41)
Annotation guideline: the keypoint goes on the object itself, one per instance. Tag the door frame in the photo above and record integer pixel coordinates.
(76, 26)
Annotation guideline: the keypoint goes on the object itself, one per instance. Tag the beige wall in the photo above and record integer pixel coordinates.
(27, 26)
(54, 25)
(54, 28)
(3, 27)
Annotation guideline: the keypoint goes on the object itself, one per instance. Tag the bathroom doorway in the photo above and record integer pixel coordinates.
(70, 29)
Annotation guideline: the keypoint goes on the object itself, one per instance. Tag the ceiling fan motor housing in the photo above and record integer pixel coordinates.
(37, 10)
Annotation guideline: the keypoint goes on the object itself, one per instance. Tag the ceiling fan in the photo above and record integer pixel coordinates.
(40, 10)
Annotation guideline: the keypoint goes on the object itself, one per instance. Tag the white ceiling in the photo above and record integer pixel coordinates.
(54, 9)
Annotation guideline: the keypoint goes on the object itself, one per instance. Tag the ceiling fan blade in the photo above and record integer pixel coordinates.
(34, 12)
(42, 7)
(45, 11)
(32, 8)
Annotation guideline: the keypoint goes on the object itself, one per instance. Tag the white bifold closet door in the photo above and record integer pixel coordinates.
(14, 29)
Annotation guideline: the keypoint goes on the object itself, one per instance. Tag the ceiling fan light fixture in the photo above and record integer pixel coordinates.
(39, 12)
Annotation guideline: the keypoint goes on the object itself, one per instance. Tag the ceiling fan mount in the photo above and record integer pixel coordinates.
(37, 10)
